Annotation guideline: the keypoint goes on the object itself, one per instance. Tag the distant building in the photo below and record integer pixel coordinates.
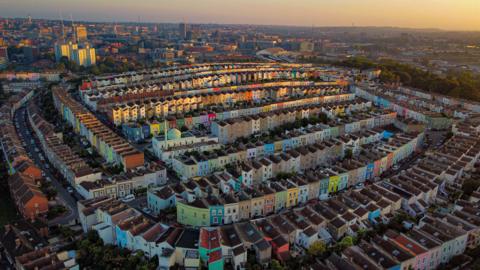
(3, 57)
(83, 55)
(81, 33)
(306, 46)
(182, 30)
(30, 54)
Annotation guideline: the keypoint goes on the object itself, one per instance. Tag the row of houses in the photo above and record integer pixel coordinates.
(206, 79)
(126, 183)
(171, 105)
(47, 258)
(99, 102)
(25, 177)
(12, 148)
(229, 130)
(271, 194)
(452, 160)
(131, 77)
(138, 132)
(189, 83)
(404, 107)
(175, 143)
(73, 168)
(118, 224)
(199, 165)
(113, 148)
(435, 241)
(428, 246)
(457, 107)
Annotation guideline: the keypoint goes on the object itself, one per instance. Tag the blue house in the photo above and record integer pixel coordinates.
(324, 188)
(370, 168)
(386, 134)
(269, 149)
(343, 182)
(121, 237)
(373, 212)
(146, 131)
(133, 133)
(203, 168)
(287, 144)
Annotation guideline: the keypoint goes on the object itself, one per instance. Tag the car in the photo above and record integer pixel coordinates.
(359, 186)
(70, 190)
(147, 210)
(48, 179)
(128, 198)
(47, 166)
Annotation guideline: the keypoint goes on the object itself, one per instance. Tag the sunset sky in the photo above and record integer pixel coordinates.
(443, 14)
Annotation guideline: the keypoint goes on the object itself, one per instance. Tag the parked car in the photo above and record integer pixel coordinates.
(70, 190)
(128, 198)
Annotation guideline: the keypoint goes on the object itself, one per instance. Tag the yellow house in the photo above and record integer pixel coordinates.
(333, 183)
(292, 196)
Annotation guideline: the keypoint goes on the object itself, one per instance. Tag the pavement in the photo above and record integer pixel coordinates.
(63, 196)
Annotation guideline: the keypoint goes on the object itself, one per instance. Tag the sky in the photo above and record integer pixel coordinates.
(442, 14)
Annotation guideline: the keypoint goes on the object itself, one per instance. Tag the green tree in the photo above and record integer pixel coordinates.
(317, 248)
(275, 265)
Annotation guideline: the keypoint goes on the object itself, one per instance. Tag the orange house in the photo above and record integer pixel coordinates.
(28, 197)
(28, 168)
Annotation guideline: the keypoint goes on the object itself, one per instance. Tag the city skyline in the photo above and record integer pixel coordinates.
(442, 14)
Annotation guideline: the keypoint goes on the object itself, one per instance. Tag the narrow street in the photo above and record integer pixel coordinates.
(63, 195)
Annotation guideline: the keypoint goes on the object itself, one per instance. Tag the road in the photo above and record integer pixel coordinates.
(26, 134)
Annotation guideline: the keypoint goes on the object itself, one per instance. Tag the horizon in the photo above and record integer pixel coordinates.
(443, 14)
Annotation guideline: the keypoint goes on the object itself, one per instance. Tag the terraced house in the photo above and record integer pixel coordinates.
(111, 147)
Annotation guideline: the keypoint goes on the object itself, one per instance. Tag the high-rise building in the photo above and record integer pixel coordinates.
(83, 55)
(182, 30)
(81, 33)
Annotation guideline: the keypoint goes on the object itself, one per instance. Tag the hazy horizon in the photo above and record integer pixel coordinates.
(459, 15)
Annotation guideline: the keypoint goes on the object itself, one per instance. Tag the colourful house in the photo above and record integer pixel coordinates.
(343, 181)
(269, 149)
(333, 183)
(210, 250)
(196, 213)
(324, 188)
(216, 211)
(292, 196)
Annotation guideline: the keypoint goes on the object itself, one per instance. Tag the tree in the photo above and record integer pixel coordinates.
(275, 265)
(95, 70)
(317, 248)
(346, 242)
(348, 153)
